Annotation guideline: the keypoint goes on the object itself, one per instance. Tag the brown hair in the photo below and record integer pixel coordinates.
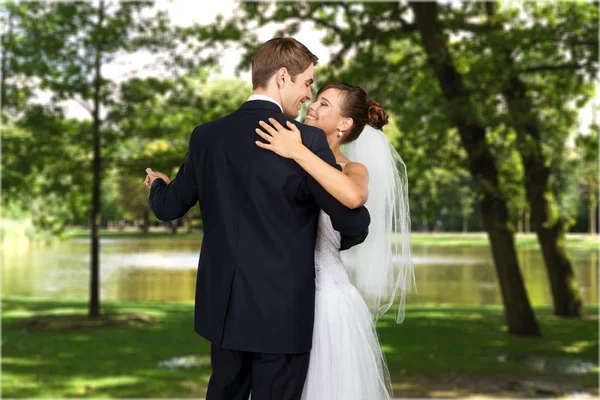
(280, 53)
(355, 104)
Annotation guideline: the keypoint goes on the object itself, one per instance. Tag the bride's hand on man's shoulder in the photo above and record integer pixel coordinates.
(285, 141)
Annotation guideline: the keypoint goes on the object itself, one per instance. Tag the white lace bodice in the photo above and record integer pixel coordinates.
(329, 268)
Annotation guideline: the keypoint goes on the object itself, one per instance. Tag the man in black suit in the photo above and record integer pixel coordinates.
(255, 286)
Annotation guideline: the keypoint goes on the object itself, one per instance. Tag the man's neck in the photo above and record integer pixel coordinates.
(268, 93)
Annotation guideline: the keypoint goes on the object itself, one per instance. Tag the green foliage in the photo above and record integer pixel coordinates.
(157, 127)
(585, 164)
(61, 48)
(147, 121)
(377, 48)
(46, 168)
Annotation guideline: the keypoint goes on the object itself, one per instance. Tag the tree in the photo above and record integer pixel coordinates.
(66, 55)
(465, 114)
(132, 197)
(15, 88)
(527, 106)
(587, 149)
(34, 172)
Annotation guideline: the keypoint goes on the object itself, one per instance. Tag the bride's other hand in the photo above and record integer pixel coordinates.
(287, 142)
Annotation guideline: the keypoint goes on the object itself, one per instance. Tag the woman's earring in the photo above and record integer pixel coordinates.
(340, 133)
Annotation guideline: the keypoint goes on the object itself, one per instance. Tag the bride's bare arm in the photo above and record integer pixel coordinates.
(349, 187)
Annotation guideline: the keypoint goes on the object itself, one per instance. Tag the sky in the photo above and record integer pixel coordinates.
(181, 14)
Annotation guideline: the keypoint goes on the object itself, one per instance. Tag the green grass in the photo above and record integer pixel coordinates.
(133, 234)
(523, 241)
(451, 239)
(470, 339)
(122, 362)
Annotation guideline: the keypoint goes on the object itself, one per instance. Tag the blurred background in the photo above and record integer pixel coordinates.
(493, 107)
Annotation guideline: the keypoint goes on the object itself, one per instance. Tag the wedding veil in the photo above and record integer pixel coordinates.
(381, 267)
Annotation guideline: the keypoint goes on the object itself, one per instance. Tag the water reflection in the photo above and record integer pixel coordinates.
(165, 270)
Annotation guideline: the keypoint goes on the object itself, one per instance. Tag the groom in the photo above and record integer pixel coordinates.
(255, 286)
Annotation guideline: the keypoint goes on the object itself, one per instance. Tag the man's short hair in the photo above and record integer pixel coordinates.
(280, 53)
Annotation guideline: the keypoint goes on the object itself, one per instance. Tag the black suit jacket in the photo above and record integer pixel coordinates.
(255, 288)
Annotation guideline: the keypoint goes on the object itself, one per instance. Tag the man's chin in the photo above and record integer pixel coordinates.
(291, 113)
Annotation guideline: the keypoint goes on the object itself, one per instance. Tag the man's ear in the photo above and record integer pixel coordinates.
(282, 76)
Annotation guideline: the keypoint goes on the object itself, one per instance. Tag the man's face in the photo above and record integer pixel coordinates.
(294, 94)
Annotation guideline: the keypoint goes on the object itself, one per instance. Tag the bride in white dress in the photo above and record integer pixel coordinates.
(356, 287)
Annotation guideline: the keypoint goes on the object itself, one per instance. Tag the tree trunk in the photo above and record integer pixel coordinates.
(465, 228)
(520, 220)
(593, 205)
(174, 225)
(566, 296)
(549, 226)
(4, 66)
(94, 306)
(518, 312)
(424, 222)
(190, 223)
(146, 221)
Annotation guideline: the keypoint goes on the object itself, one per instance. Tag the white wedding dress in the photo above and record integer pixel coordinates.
(346, 361)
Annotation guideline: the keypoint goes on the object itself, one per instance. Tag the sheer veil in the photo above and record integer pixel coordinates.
(381, 267)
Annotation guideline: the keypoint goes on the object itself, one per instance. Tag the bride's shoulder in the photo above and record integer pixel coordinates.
(355, 168)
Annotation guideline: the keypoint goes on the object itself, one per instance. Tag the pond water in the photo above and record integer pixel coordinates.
(165, 270)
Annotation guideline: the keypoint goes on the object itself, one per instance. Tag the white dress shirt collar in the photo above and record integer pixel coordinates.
(264, 97)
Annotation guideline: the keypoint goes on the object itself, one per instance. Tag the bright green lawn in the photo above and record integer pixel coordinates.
(523, 241)
(574, 242)
(122, 362)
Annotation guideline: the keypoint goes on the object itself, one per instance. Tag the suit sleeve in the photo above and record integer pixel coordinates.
(353, 224)
(173, 201)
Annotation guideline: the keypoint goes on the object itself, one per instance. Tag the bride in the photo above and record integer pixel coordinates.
(354, 288)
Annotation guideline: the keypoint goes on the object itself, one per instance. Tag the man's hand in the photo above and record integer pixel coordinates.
(152, 175)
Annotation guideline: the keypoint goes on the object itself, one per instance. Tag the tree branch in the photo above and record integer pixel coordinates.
(336, 60)
(85, 105)
(557, 67)
(324, 23)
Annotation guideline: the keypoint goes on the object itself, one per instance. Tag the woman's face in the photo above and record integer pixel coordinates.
(324, 113)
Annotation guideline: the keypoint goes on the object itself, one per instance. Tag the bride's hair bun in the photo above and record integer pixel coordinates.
(378, 118)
